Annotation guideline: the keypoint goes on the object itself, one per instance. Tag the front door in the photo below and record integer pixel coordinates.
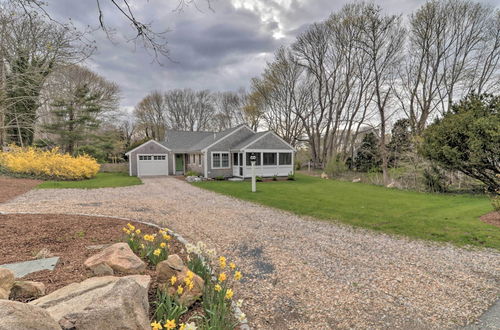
(179, 163)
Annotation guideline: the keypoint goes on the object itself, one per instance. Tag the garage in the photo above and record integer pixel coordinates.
(149, 165)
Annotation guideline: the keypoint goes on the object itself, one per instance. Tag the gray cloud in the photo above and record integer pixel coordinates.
(219, 50)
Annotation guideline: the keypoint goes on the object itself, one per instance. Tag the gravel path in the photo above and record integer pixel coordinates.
(302, 273)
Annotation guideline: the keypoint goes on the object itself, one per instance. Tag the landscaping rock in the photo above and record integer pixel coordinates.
(17, 315)
(174, 266)
(107, 302)
(170, 267)
(324, 175)
(102, 270)
(193, 179)
(6, 282)
(356, 180)
(27, 289)
(119, 257)
(44, 253)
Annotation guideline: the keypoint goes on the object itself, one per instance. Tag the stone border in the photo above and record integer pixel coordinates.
(236, 310)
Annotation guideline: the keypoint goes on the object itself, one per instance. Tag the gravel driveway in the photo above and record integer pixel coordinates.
(302, 273)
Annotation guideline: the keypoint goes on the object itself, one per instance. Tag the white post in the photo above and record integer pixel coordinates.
(254, 184)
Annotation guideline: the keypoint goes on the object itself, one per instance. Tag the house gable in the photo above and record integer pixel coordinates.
(269, 141)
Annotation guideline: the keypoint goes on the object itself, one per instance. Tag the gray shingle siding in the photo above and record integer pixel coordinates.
(150, 149)
(225, 146)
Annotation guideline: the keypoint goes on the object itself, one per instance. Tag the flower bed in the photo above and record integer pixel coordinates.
(49, 164)
(76, 238)
(170, 307)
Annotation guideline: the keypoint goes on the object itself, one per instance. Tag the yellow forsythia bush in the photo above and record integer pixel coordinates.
(51, 164)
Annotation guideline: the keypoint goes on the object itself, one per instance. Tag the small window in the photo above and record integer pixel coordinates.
(220, 160)
(285, 158)
(257, 161)
(199, 160)
(235, 159)
(269, 158)
(141, 157)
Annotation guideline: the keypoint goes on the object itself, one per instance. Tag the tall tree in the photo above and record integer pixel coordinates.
(151, 115)
(382, 41)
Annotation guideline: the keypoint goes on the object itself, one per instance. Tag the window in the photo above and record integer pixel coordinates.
(220, 160)
(285, 158)
(145, 157)
(193, 159)
(199, 160)
(269, 158)
(159, 157)
(257, 161)
(235, 159)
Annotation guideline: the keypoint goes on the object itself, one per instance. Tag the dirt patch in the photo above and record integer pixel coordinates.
(12, 187)
(66, 236)
(493, 218)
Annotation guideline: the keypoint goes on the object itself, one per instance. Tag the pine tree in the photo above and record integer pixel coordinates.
(74, 118)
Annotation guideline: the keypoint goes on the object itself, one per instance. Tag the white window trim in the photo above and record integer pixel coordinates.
(220, 152)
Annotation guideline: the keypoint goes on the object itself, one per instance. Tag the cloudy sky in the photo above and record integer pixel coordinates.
(219, 49)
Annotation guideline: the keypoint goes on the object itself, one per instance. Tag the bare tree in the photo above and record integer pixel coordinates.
(382, 41)
(286, 96)
(151, 115)
(188, 110)
(229, 109)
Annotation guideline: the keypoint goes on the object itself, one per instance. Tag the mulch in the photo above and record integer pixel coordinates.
(66, 236)
(493, 218)
(12, 187)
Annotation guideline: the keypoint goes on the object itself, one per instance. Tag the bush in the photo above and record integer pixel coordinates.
(434, 179)
(193, 173)
(495, 202)
(48, 164)
(335, 167)
(258, 178)
(467, 139)
(291, 177)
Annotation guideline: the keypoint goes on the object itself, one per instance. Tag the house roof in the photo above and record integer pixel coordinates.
(186, 141)
(249, 141)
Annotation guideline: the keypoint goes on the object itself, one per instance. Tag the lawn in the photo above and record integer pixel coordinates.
(436, 217)
(102, 180)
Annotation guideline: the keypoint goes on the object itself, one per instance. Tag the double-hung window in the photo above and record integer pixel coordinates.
(220, 160)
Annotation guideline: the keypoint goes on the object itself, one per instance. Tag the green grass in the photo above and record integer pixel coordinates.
(436, 217)
(101, 180)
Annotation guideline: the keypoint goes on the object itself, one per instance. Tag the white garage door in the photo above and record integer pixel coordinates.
(152, 165)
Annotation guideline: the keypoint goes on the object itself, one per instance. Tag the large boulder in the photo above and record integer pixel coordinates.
(17, 315)
(7, 279)
(119, 257)
(174, 266)
(107, 302)
(27, 289)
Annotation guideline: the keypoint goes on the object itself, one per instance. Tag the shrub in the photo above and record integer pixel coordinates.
(192, 173)
(434, 179)
(335, 167)
(467, 139)
(48, 164)
(275, 177)
(258, 178)
(291, 177)
(495, 202)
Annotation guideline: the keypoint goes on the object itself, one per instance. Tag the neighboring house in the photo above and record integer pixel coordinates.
(214, 154)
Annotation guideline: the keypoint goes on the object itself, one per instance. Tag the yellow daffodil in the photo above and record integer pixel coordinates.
(229, 294)
(242, 317)
(138, 231)
(156, 326)
(131, 227)
(191, 286)
(187, 280)
(170, 324)
(161, 232)
(163, 245)
(125, 229)
(142, 246)
(127, 232)
(222, 277)
(173, 279)
(149, 238)
(222, 262)
(217, 288)
(182, 326)
(190, 275)
(180, 290)
(232, 265)
(239, 303)
(167, 237)
(157, 252)
(237, 276)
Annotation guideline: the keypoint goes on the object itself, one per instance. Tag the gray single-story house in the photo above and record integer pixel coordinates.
(214, 154)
